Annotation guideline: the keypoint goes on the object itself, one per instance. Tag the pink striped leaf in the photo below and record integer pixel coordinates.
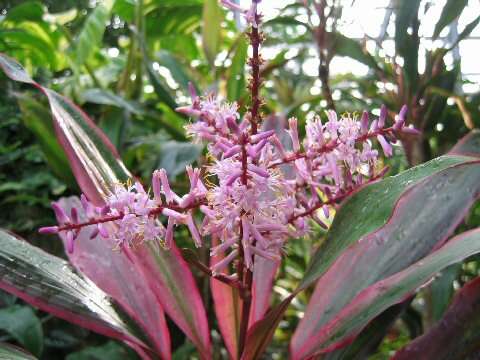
(423, 218)
(97, 167)
(457, 331)
(49, 283)
(227, 304)
(372, 208)
(117, 276)
(263, 276)
(391, 290)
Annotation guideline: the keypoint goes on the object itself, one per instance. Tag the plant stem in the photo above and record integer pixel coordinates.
(245, 275)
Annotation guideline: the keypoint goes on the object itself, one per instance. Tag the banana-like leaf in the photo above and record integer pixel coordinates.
(456, 335)
(97, 168)
(49, 283)
(116, 275)
(10, 352)
(372, 208)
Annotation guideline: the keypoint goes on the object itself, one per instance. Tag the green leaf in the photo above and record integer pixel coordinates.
(212, 18)
(10, 352)
(22, 323)
(166, 59)
(26, 11)
(110, 350)
(91, 34)
(161, 90)
(345, 46)
(467, 31)
(176, 155)
(106, 97)
(451, 11)
(236, 72)
(38, 120)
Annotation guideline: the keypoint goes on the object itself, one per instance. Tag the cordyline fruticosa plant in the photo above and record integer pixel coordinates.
(259, 190)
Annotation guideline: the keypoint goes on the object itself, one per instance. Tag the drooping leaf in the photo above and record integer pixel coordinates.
(98, 168)
(25, 327)
(457, 331)
(94, 160)
(115, 274)
(451, 11)
(212, 18)
(374, 205)
(10, 352)
(48, 282)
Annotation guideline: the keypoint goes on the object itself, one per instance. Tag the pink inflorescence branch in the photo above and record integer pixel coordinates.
(263, 187)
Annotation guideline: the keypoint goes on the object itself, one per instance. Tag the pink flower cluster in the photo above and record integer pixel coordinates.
(263, 190)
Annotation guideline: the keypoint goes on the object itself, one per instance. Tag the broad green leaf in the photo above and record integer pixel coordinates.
(456, 335)
(49, 283)
(10, 352)
(26, 11)
(91, 34)
(236, 71)
(451, 11)
(212, 18)
(25, 327)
